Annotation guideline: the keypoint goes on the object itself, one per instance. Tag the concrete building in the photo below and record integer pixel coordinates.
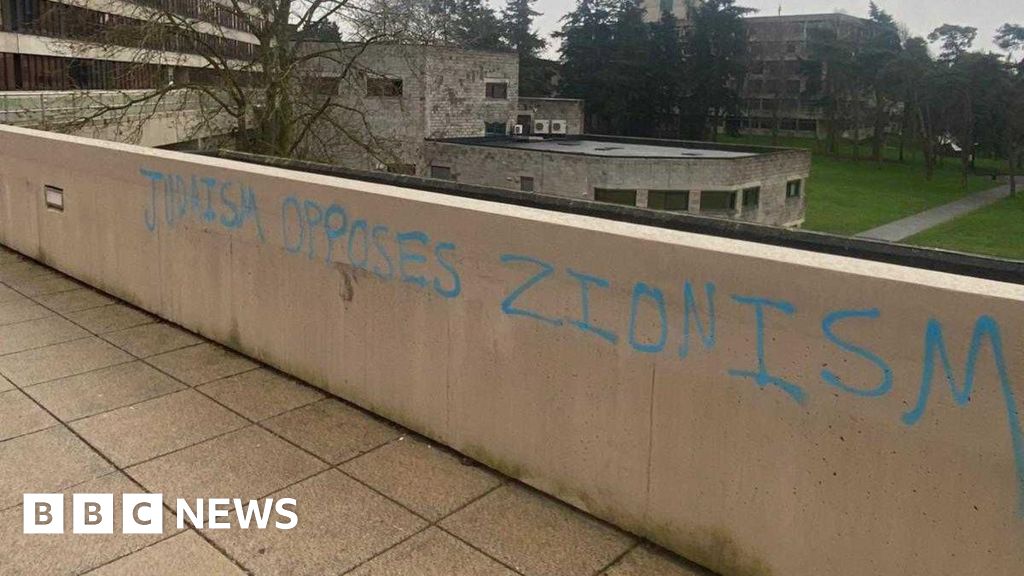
(406, 94)
(777, 93)
(550, 116)
(653, 9)
(748, 183)
(57, 64)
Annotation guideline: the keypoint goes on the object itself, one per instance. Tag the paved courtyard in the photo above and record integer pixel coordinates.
(99, 397)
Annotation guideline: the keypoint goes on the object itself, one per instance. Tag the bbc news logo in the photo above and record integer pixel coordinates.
(143, 513)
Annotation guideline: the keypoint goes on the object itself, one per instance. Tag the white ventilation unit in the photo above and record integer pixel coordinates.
(541, 126)
(517, 130)
(558, 126)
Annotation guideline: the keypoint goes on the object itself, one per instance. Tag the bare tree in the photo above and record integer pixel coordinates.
(275, 74)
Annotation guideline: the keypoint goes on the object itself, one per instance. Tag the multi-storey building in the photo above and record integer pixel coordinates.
(779, 92)
(653, 9)
(51, 45)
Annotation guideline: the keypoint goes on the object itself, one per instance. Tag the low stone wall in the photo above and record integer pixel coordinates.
(761, 410)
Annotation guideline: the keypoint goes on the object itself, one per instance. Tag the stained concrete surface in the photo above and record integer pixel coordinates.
(96, 396)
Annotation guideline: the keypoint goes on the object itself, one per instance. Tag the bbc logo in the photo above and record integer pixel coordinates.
(93, 514)
(143, 513)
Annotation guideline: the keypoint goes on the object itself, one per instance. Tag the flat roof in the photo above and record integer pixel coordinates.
(605, 147)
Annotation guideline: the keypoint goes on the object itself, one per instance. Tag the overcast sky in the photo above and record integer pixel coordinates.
(921, 16)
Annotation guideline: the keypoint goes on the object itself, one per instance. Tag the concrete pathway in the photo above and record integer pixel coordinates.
(99, 397)
(907, 227)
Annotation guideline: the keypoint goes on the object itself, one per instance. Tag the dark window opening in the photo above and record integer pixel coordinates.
(441, 172)
(387, 87)
(752, 197)
(717, 200)
(494, 128)
(496, 90)
(526, 183)
(793, 188)
(671, 200)
(612, 196)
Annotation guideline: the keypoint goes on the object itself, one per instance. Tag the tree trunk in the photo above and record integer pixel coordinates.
(1012, 161)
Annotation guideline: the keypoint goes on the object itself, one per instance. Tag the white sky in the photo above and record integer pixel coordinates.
(921, 16)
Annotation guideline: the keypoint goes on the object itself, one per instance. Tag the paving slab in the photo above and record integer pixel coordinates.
(180, 555)
(37, 333)
(46, 283)
(428, 480)
(7, 294)
(46, 461)
(109, 318)
(21, 309)
(248, 463)
(648, 560)
(151, 339)
(68, 553)
(101, 390)
(156, 427)
(333, 430)
(261, 393)
(536, 535)
(19, 415)
(202, 363)
(432, 552)
(60, 360)
(5, 384)
(341, 524)
(74, 300)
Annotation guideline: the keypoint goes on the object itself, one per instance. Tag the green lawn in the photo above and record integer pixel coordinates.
(996, 230)
(847, 196)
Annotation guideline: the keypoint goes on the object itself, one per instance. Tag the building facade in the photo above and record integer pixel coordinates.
(780, 92)
(754, 184)
(51, 45)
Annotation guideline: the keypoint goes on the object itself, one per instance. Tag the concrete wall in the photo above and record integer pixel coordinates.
(576, 176)
(568, 109)
(762, 410)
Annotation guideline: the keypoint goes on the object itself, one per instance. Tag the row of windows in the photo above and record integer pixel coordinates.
(385, 87)
(29, 72)
(204, 10)
(668, 200)
(58, 20)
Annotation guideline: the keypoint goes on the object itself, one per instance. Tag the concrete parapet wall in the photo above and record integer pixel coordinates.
(761, 410)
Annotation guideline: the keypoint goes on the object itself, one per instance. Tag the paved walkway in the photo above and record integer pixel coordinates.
(907, 227)
(99, 397)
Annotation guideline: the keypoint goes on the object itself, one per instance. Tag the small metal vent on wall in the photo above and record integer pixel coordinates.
(54, 198)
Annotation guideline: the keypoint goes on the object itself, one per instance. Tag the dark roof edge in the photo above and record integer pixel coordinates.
(878, 251)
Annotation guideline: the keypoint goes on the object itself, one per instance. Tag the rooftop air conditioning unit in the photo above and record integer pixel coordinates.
(517, 130)
(558, 126)
(541, 126)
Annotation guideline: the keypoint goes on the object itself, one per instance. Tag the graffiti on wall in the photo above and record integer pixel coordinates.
(315, 231)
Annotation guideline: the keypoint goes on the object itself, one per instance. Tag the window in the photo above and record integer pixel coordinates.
(793, 188)
(751, 197)
(526, 183)
(667, 5)
(717, 200)
(496, 90)
(441, 172)
(671, 200)
(624, 197)
(409, 169)
(387, 87)
(494, 129)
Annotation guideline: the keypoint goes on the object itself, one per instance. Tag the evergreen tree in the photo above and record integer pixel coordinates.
(518, 34)
(716, 54)
(585, 50)
(475, 25)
